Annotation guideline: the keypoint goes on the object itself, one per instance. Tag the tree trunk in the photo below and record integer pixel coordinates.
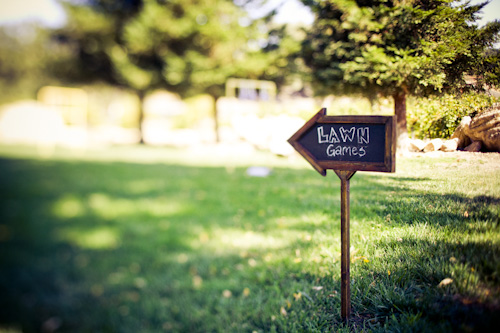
(400, 112)
(216, 120)
(141, 94)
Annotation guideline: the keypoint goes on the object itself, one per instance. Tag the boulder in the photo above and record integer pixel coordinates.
(31, 122)
(450, 145)
(474, 147)
(416, 145)
(433, 145)
(459, 134)
(485, 127)
(402, 142)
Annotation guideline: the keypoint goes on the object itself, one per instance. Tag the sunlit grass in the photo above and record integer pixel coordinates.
(148, 239)
(99, 238)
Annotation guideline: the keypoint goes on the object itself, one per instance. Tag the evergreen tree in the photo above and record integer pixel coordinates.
(398, 47)
(184, 46)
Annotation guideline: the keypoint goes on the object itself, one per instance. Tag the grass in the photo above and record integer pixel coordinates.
(138, 239)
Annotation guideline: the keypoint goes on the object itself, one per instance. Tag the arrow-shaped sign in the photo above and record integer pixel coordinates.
(347, 144)
(353, 143)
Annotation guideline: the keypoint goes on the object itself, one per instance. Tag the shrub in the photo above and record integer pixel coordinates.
(438, 117)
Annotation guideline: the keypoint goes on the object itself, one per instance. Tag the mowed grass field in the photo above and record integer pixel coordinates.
(140, 239)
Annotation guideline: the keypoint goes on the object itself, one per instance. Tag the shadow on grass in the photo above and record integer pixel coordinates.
(440, 269)
(430, 286)
(89, 246)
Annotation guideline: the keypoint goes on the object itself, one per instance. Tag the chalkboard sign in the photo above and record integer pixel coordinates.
(354, 143)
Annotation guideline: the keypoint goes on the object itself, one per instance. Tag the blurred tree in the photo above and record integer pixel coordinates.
(491, 68)
(278, 59)
(23, 58)
(184, 46)
(398, 47)
(281, 55)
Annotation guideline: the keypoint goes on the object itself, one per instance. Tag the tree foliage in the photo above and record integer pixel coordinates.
(184, 46)
(24, 55)
(398, 47)
(187, 46)
(426, 118)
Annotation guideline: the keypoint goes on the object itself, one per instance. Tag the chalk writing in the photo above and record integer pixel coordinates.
(347, 135)
(333, 151)
(325, 138)
(356, 143)
(363, 135)
(350, 135)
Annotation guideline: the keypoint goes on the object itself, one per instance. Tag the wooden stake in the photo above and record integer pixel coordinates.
(345, 288)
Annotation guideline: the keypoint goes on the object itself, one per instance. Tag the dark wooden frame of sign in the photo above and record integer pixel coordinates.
(389, 164)
(345, 170)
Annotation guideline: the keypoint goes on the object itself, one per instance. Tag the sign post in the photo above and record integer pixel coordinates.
(347, 144)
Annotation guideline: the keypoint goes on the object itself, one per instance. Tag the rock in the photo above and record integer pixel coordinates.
(258, 171)
(450, 145)
(280, 129)
(474, 147)
(402, 142)
(485, 127)
(31, 122)
(433, 145)
(416, 145)
(463, 139)
(164, 103)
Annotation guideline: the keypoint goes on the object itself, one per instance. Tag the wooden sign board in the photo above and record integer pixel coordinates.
(352, 143)
(347, 144)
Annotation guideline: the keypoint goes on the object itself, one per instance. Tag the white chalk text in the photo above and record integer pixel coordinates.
(361, 134)
(351, 136)
(333, 151)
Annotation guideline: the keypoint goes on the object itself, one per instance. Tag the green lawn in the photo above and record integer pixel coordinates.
(138, 239)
